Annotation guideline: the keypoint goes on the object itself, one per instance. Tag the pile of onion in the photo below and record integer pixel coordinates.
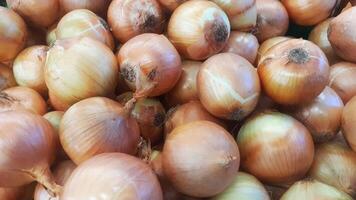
(268, 44)
(97, 6)
(342, 80)
(7, 78)
(348, 123)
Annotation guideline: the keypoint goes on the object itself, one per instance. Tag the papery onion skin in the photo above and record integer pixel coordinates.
(57, 104)
(268, 44)
(205, 146)
(342, 80)
(243, 44)
(13, 34)
(293, 72)
(84, 23)
(115, 176)
(150, 64)
(311, 190)
(273, 139)
(97, 6)
(72, 65)
(7, 78)
(171, 5)
(29, 66)
(348, 123)
(198, 29)
(97, 125)
(228, 86)
(272, 19)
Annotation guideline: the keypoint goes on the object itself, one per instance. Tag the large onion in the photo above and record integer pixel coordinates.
(348, 123)
(97, 6)
(268, 44)
(342, 80)
(7, 78)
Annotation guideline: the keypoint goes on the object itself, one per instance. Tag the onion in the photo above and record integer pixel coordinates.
(335, 165)
(289, 69)
(322, 116)
(268, 44)
(342, 80)
(6, 77)
(149, 64)
(84, 23)
(61, 173)
(51, 35)
(29, 66)
(186, 113)
(228, 86)
(13, 34)
(97, 125)
(80, 68)
(186, 88)
(271, 140)
(129, 18)
(56, 104)
(112, 176)
(243, 44)
(97, 6)
(348, 123)
(245, 186)
(198, 29)
(341, 34)
(22, 98)
(42, 13)
(312, 190)
(171, 5)
(200, 159)
(272, 19)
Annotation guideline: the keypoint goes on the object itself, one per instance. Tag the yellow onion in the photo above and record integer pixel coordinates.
(228, 86)
(245, 186)
(198, 29)
(275, 148)
(22, 98)
(150, 64)
(56, 104)
(7, 78)
(171, 5)
(322, 116)
(80, 68)
(312, 190)
(335, 165)
(29, 66)
(97, 125)
(342, 80)
(112, 176)
(129, 18)
(348, 123)
(186, 88)
(268, 44)
(51, 35)
(319, 35)
(200, 159)
(97, 6)
(289, 69)
(84, 23)
(13, 34)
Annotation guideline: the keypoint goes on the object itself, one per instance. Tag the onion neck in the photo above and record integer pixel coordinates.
(45, 178)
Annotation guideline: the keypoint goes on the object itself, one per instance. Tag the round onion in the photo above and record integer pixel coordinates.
(97, 6)
(348, 123)
(289, 69)
(80, 68)
(243, 44)
(228, 86)
(22, 98)
(7, 78)
(200, 159)
(198, 29)
(342, 80)
(171, 5)
(272, 19)
(268, 44)
(84, 23)
(149, 64)
(186, 88)
(312, 190)
(322, 116)
(13, 34)
(29, 66)
(271, 140)
(129, 18)
(113, 176)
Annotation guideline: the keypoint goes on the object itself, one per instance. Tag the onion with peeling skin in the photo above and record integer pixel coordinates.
(7, 78)
(97, 6)
(342, 80)
(268, 44)
(348, 123)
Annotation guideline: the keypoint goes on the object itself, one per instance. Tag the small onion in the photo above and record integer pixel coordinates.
(245, 186)
(84, 23)
(171, 5)
(97, 6)
(268, 44)
(293, 72)
(275, 148)
(112, 176)
(312, 190)
(342, 80)
(13, 34)
(200, 159)
(56, 104)
(129, 18)
(22, 98)
(272, 19)
(149, 64)
(7, 78)
(348, 123)
(186, 88)
(243, 44)
(29, 66)
(198, 29)
(228, 86)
